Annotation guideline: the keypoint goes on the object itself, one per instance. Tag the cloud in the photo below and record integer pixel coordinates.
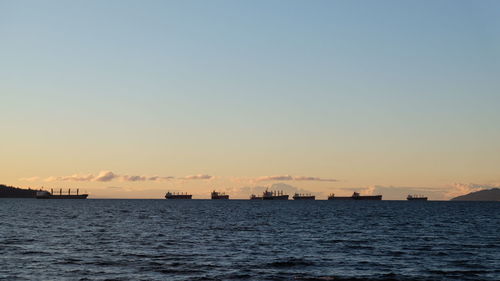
(312, 179)
(197, 177)
(275, 178)
(159, 178)
(458, 189)
(31, 179)
(291, 178)
(75, 177)
(370, 190)
(133, 178)
(105, 176)
(483, 186)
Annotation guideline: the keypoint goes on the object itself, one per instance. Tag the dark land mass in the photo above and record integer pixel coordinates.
(483, 195)
(15, 192)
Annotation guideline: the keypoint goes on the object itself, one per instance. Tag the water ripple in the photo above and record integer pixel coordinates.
(245, 240)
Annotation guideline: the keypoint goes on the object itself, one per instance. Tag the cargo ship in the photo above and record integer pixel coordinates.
(355, 196)
(173, 195)
(43, 194)
(219, 195)
(416, 198)
(270, 195)
(298, 196)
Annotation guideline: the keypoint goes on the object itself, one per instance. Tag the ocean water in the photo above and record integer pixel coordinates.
(248, 240)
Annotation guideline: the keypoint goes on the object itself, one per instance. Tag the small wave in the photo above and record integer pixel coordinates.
(459, 272)
(291, 262)
(384, 277)
(237, 276)
(37, 253)
(179, 271)
(70, 261)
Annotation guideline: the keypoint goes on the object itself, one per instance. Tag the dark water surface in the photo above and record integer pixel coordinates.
(248, 240)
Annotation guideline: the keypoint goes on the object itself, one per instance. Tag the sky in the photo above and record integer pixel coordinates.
(129, 99)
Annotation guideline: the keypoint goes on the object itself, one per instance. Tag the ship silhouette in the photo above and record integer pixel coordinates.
(355, 196)
(298, 196)
(43, 194)
(416, 198)
(270, 195)
(219, 195)
(173, 195)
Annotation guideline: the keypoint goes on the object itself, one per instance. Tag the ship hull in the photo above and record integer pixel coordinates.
(339, 198)
(280, 197)
(355, 198)
(81, 196)
(220, 197)
(179, 197)
(416, 199)
(375, 197)
(304, 198)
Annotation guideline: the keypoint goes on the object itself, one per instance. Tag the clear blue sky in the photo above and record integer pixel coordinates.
(371, 92)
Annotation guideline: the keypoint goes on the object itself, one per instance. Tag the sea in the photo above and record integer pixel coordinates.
(97, 239)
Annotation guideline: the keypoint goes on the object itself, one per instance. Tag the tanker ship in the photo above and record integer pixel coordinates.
(42, 194)
(355, 196)
(270, 195)
(173, 195)
(416, 198)
(298, 196)
(219, 195)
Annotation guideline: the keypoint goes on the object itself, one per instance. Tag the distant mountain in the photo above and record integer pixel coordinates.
(14, 192)
(483, 195)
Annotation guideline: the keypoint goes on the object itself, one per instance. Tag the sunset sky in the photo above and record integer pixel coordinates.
(129, 99)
